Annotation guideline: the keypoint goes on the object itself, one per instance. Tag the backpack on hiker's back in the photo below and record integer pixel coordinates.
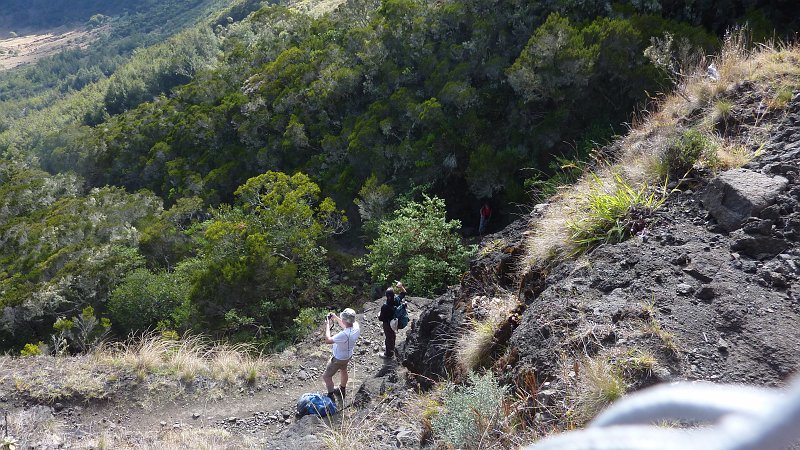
(401, 314)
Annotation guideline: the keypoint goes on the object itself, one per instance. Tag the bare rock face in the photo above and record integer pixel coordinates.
(431, 340)
(738, 194)
(431, 337)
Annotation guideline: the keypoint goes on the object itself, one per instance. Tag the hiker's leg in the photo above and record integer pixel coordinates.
(343, 375)
(389, 339)
(327, 376)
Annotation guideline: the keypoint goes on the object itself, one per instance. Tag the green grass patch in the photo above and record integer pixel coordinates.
(614, 211)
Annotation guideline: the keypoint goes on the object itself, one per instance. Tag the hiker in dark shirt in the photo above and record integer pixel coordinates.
(386, 316)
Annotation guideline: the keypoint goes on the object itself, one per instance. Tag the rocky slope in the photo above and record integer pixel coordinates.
(710, 289)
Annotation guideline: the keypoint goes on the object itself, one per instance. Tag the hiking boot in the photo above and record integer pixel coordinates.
(385, 356)
(332, 396)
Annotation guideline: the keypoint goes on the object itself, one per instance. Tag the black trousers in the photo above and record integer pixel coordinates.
(390, 337)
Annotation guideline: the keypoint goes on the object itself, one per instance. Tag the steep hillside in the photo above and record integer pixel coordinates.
(702, 286)
(372, 106)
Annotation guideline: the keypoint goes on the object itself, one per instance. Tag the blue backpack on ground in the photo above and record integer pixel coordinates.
(401, 314)
(317, 404)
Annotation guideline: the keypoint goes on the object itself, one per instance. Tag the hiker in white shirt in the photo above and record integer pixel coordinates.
(344, 344)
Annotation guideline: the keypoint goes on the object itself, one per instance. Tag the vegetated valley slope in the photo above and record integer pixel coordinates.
(705, 291)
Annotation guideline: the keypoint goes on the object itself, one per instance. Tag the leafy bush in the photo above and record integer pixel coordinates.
(420, 246)
(614, 211)
(468, 412)
(144, 299)
(261, 258)
(308, 319)
(373, 203)
(82, 333)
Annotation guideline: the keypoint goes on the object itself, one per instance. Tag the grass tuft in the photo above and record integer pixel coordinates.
(613, 211)
(347, 430)
(188, 358)
(599, 384)
(653, 328)
(474, 346)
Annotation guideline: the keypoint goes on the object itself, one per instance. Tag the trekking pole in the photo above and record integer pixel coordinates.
(5, 423)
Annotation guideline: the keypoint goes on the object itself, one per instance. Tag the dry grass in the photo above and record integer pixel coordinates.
(668, 340)
(188, 358)
(599, 383)
(352, 430)
(201, 439)
(473, 347)
(51, 380)
(152, 360)
(635, 360)
(775, 71)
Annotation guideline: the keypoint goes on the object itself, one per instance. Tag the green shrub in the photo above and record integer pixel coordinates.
(32, 349)
(469, 411)
(308, 319)
(683, 153)
(614, 211)
(420, 246)
(144, 299)
(373, 203)
(82, 333)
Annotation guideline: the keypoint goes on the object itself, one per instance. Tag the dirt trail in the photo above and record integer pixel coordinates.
(255, 414)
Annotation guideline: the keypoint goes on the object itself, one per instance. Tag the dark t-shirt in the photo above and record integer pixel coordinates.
(387, 310)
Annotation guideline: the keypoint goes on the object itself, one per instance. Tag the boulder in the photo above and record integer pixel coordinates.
(738, 194)
(757, 247)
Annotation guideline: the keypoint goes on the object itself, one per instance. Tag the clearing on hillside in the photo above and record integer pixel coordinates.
(27, 49)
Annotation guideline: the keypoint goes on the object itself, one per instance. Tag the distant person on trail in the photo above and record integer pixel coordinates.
(386, 316)
(344, 343)
(486, 214)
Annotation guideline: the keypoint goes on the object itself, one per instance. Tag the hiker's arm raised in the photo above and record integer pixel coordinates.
(327, 337)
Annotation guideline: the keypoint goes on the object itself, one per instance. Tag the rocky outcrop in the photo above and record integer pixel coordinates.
(738, 194)
(711, 290)
(720, 275)
(428, 348)
(430, 339)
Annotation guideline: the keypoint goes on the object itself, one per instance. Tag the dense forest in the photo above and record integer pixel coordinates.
(207, 175)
